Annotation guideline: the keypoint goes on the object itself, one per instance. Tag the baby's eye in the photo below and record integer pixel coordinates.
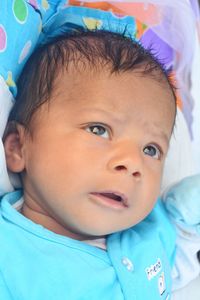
(99, 130)
(153, 151)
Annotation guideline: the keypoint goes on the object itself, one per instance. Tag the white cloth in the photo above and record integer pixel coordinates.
(179, 161)
(191, 291)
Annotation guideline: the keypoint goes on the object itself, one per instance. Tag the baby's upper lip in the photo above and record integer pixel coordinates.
(115, 195)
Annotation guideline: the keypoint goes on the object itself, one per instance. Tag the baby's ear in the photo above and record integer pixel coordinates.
(13, 145)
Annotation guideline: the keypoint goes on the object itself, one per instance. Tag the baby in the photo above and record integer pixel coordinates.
(88, 135)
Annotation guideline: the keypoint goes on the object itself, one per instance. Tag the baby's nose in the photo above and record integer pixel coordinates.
(127, 159)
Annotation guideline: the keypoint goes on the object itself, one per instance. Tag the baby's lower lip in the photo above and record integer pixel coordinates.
(107, 201)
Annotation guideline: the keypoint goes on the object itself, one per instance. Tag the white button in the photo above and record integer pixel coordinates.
(128, 264)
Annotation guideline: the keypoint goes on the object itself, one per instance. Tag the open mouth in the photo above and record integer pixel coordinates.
(112, 198)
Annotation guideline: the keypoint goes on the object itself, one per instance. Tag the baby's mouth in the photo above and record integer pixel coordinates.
(116, 197)
(112, 196)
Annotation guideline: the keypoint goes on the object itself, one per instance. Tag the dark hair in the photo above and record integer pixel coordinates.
(94, 49)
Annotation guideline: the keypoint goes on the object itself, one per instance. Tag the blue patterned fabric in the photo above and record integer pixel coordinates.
(25, 24)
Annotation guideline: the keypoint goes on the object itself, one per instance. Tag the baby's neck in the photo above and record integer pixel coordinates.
(39, 216)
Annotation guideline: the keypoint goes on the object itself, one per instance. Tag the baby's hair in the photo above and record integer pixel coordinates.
(83, 50)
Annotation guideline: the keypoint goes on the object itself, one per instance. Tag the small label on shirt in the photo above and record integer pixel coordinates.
(154, 269)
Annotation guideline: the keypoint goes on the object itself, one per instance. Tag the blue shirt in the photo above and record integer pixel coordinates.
(38, 264)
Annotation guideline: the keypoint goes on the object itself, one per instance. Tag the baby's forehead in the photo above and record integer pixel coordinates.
(113, 91)
(79, 76)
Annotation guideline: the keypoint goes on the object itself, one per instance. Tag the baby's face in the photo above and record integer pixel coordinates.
(94, 163)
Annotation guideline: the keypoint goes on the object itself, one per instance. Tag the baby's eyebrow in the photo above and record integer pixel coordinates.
(157, 132)
(164, 137)
(99, 111)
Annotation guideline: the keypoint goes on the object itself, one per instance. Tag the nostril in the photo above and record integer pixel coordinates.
(136, 174)
(119, 168)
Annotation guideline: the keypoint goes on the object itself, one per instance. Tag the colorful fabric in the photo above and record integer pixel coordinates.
(20, 26)
(24, 24)
(167, 25)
